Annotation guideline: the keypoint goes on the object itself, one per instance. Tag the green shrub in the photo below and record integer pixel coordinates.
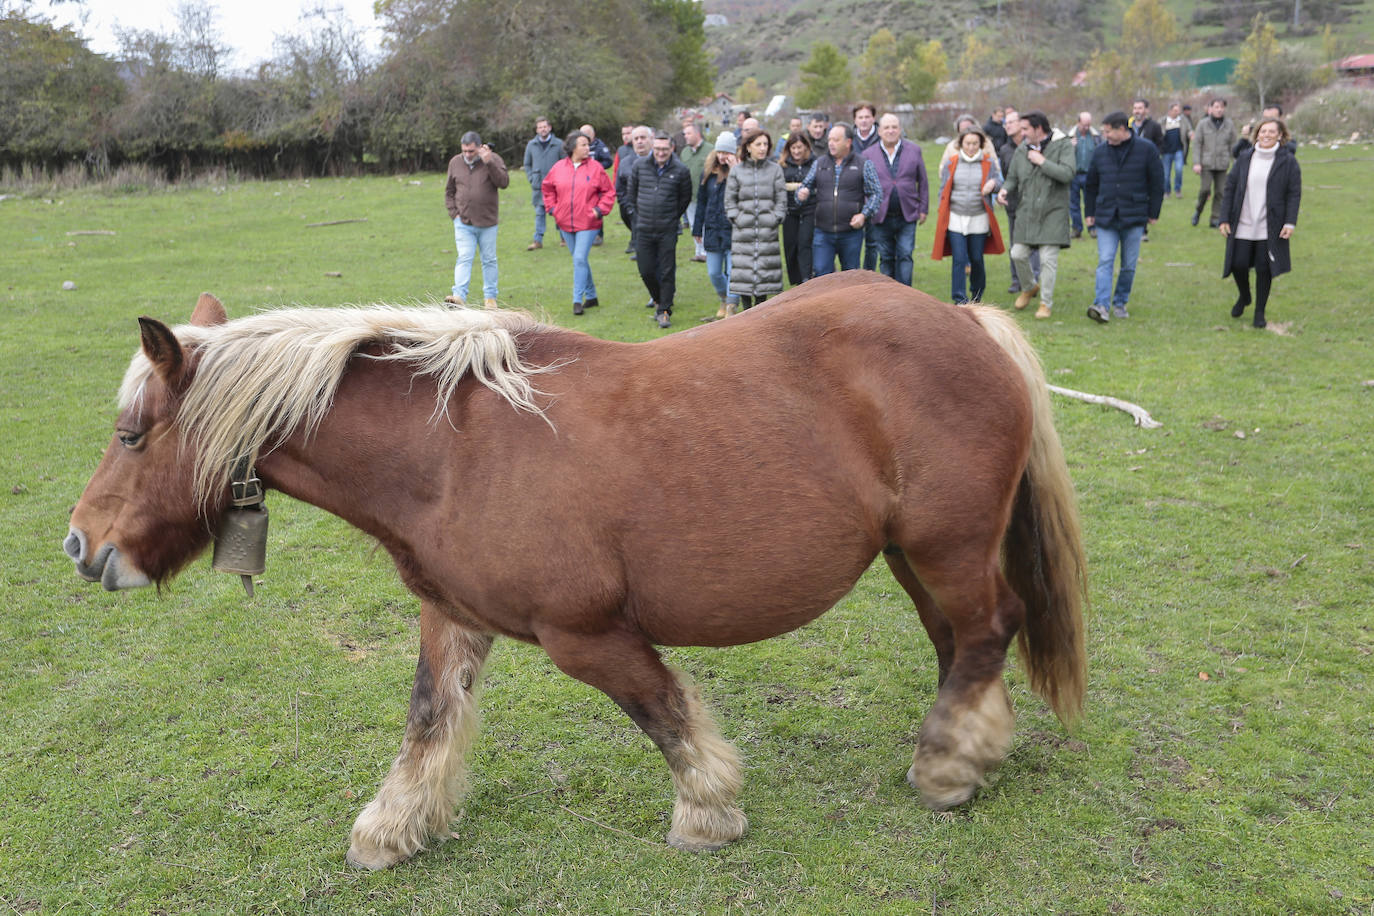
(1335, 113)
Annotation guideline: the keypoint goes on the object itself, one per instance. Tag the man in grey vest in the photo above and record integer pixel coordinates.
(848, 194)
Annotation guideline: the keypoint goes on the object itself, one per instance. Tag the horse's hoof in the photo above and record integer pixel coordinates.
(694, 844)
(700, 829)
(373, 858)
(944, 797)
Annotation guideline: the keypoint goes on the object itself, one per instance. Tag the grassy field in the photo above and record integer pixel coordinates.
(201, 752)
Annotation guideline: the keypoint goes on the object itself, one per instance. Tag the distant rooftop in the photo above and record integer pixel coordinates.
(1189, 63)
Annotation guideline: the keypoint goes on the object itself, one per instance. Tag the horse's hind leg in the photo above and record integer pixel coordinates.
(932, 618)
(417, 798)
(705, 768)
(968, 731)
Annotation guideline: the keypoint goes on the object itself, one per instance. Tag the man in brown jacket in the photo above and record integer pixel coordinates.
(475, 177)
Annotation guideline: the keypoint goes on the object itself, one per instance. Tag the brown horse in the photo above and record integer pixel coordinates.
(593, 497)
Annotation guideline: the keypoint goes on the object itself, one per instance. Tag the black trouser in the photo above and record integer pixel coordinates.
(656, 256)
(798, 228)
(870, 246)
(1245, 254)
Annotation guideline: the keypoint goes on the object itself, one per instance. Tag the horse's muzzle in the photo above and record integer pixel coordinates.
(107, 566)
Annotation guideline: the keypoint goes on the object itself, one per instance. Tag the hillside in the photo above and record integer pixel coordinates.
(770, 39)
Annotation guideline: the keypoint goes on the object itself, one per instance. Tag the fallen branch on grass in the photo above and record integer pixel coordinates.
(1141, 415)
(335, 222)
(91, 232)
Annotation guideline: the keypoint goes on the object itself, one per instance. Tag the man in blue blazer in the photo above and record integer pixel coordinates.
(905, 201)
(1125, 191)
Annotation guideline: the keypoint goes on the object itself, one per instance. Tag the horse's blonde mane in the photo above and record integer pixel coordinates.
(259, 378)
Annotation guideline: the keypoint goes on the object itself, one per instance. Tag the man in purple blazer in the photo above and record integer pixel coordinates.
(906, 198)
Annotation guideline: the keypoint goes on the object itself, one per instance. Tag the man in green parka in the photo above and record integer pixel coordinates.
(693, 152)
(1038, 178)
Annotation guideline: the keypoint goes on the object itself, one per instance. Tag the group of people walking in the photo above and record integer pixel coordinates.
(847, 193)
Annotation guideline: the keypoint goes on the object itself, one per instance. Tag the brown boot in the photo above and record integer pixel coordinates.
(1024, 299)
(1043, 311)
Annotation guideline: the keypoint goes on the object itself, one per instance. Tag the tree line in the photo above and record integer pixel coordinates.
(323, 105)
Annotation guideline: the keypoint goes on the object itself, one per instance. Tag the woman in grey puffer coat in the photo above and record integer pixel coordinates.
(755, 202)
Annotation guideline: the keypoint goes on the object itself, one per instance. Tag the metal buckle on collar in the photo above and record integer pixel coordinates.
(245, 492)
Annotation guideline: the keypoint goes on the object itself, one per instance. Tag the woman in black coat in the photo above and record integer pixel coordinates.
(799, 225)
(710, 225)
(1259, 212)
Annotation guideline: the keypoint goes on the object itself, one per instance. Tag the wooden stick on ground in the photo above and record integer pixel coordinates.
(1141, 415)
(335, 222)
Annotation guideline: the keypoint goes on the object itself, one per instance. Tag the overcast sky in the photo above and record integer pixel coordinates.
(249, 29)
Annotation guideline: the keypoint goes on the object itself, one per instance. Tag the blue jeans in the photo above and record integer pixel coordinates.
(580, 244)
(1108, 241)
(538, 200)
(894, 238)
(1173, 165)
(718, 269)
(826, 245)
(1077, 189)
(469, 240)
(968, 252)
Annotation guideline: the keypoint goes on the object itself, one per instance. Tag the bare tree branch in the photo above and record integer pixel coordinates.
(1141, 415)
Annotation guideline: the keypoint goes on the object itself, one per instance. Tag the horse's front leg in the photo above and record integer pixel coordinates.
(417, 798)
(705, 768)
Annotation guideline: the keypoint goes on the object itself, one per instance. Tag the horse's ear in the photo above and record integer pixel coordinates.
(209, 311)
(163, 351)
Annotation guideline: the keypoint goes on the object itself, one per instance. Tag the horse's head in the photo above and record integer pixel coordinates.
(139, 521)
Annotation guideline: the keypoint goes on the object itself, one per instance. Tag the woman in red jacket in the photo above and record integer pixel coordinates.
(578, 194)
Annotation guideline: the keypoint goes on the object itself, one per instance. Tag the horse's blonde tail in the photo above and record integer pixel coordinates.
(1042, 553)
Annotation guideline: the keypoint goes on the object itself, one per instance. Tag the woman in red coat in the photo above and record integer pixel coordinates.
(578, 194)
(965, 225)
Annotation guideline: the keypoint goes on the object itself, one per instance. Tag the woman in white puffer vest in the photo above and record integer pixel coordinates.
(755, 202)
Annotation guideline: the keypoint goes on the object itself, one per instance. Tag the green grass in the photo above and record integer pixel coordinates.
(200, 752)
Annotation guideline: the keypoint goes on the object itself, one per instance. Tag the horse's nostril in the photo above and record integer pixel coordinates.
(72, 546)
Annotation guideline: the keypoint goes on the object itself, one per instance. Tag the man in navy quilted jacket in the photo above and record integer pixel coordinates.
(1125, 191)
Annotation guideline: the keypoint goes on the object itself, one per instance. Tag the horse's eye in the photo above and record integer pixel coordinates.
(130, 439)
